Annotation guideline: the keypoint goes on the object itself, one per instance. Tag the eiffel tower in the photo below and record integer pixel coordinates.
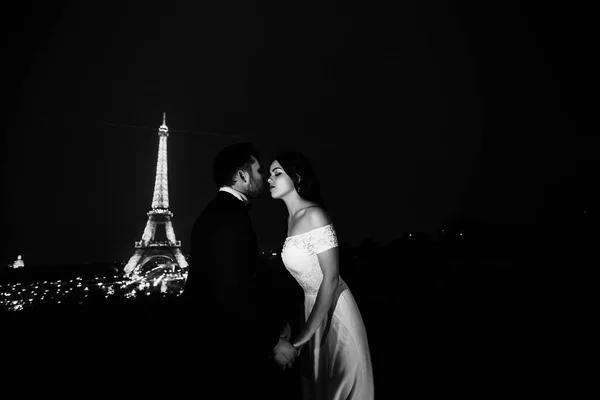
(148, 248)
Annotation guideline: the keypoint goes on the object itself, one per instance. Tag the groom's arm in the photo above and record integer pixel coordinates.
(228, 249)
(273, 295)
(236, 257)
(286, 296)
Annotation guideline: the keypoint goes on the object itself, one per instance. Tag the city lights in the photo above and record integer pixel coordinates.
(161, 280)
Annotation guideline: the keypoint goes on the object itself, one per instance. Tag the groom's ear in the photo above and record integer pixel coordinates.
(242, 176)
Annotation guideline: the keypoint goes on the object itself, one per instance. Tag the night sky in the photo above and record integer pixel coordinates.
(413, 113)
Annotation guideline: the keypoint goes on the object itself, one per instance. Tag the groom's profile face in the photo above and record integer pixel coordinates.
(255, 183)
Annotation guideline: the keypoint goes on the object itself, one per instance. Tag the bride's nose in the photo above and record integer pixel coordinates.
(269, 181)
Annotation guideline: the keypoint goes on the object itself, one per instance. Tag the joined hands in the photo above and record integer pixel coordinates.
(284, 353)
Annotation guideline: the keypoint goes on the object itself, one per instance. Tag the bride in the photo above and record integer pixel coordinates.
(333, 341)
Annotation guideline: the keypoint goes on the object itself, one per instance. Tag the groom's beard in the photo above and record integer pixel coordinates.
(254, 189)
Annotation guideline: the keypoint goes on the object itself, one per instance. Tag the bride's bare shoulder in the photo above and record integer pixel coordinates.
(316, 217)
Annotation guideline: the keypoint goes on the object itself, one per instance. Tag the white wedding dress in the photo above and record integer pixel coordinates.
(336, 362)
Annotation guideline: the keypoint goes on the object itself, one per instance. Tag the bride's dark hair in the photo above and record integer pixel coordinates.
(302, 174)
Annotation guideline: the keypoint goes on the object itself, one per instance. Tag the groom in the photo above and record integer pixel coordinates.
(234, 329)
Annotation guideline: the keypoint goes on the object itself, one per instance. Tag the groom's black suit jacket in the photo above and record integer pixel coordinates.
(228, 292)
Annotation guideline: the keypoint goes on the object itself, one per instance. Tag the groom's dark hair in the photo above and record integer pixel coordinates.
(230, 160)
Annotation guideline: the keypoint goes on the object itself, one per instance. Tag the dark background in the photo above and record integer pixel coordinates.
(415, 114)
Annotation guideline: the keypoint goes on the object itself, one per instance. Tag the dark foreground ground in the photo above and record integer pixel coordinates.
(478, 323)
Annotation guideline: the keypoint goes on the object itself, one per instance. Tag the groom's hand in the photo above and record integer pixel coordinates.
(284, 353)
(286, 332)
(282, 362)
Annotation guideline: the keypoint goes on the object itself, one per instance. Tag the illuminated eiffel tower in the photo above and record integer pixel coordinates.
(148, 248)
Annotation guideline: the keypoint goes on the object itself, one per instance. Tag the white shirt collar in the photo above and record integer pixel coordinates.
(241, 196)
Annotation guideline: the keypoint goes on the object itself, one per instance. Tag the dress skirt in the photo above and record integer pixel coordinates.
(336, 362)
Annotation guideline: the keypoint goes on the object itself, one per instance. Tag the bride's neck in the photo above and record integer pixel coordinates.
(294, 204)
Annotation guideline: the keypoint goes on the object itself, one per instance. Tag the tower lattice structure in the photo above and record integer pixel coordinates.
(148, 248)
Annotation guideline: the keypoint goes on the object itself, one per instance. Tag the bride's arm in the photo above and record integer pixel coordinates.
(328, 261)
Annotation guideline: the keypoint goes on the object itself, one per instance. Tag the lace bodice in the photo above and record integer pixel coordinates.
(299, 255)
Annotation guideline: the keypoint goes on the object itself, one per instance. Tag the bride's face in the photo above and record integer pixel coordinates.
(280, 184)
